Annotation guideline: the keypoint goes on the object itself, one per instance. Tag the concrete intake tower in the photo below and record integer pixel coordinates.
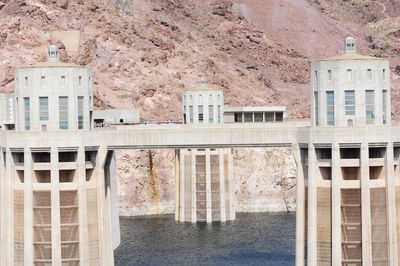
(58, 200)
(205, 192)
(348, 201)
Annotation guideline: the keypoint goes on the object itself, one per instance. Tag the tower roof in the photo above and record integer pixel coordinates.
(350, 53)
(53, 60)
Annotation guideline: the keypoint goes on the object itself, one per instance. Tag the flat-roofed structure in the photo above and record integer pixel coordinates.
(253, 114)
(116, 116)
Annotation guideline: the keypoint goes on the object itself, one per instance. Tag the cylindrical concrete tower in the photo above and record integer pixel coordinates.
(53, 96)
(348, 198)
(205, 192)
(56, 180)
(350, 90)
(203, 105)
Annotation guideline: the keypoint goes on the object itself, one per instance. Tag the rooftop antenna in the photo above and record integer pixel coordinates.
(349, 45)
(52, 53)
(202, 82)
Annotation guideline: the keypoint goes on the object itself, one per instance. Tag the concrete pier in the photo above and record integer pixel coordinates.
(352, 165)
(205, 186)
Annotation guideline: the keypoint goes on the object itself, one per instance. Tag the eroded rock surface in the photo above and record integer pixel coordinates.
(265, 180)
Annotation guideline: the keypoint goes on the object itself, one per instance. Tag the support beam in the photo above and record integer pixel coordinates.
(177, 153)
(222, 196)
(82, 208)
(182, 186)
(391, 206)
(193, 186)
(55, 208)
(300, 201)
(208, 187)
(231, 182)
(336, 207)
(365, 206)
(28, 208)
(312, 209)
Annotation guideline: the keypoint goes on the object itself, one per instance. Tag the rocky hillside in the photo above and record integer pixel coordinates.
(144, 53)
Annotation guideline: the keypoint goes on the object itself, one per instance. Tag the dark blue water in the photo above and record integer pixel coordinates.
(252, 239)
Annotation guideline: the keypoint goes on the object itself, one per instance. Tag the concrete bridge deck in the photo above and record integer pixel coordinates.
(201, 136)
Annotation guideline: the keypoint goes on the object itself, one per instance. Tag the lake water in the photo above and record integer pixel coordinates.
(252, 239)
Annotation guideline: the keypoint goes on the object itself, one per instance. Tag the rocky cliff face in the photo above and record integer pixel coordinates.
(264, 180)
(144, 53)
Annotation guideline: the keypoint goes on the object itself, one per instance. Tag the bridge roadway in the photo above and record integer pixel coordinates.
(172, 136)
(200, 136)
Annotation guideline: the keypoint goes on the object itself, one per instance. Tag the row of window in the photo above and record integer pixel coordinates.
(62, 82)
(200, 97)
(350, 75)
(44, 111)
(350, 106)
(201, 114)
(240, 117)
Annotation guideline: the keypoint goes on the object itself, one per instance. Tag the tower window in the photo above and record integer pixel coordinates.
(63, 112)
(200, 113)
(62, 82)
(43, 81)
(384, 105)
(27, 111)
(330, 108)
(316, 77)
(26, 82)
(349, 99)
(191, 114)
(44, 108)
(369, 106)
(80, 112)
(79, 81)
(219, 113)
(211, 113)
(349, 75)
(369, 74)
(383, 74)
(315, 107)
(330, 76)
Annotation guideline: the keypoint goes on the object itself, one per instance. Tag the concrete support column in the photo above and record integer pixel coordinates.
(208, 187)
(182, 186)
(55, 208)
(222, 197)
(28, 208)
(336, 206)
(7, 213)
(177, 154)
(312, 208)
(99, 170)
(2, 205)
(231, 182)
(193, 187)
(391, 206)
(82, 209)
(300, 207)
(107, 200)
(365, 206)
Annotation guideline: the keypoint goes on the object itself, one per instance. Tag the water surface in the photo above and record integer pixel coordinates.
(252, 239)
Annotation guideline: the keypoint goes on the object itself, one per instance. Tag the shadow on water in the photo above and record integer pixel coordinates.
(252, 239)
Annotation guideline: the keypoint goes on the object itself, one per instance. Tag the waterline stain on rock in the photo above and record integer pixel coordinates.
(152, 178)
